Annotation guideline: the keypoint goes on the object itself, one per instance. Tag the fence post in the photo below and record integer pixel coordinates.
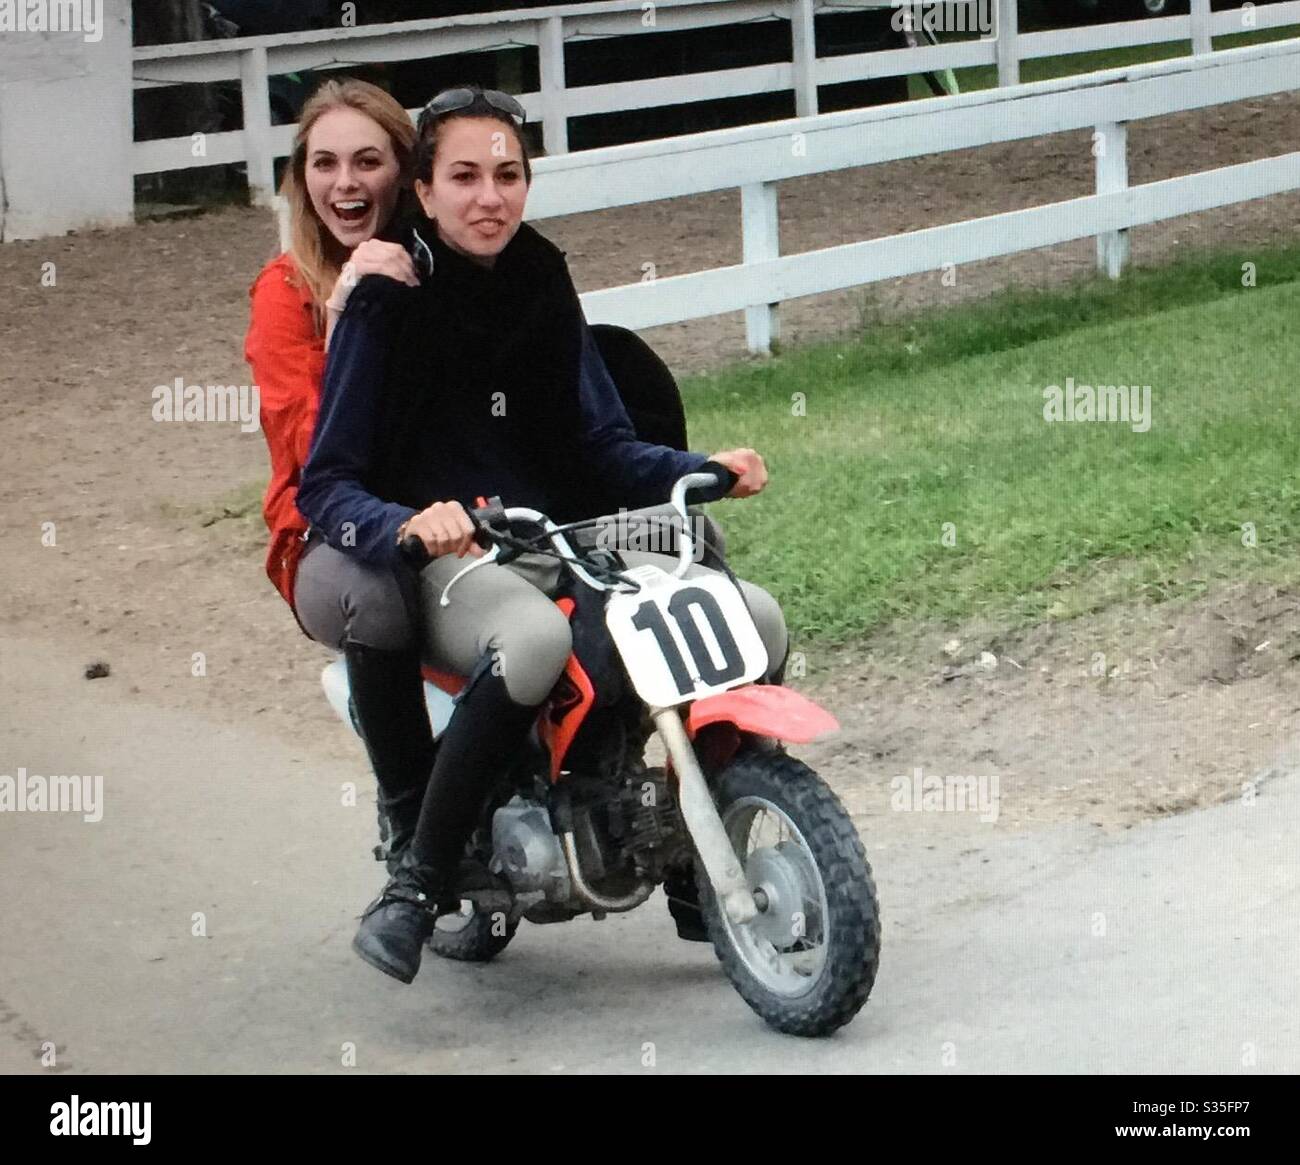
(1111, 149)
(1201, 39)
(803, 43)
(256, 97)
(1008, 47)
(283, 221)
(550, 60)
(760, 239)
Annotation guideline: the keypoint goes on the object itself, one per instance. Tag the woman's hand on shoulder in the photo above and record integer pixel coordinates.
(444, 528)
(748, 466)
(373, 257)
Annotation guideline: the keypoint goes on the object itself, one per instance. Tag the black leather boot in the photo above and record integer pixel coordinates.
(397, 924)
(486, 734)
(776, 676)
(684, 905)
(397, 818)
(392, 719)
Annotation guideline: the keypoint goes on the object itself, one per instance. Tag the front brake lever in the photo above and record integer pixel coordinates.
(490, 556)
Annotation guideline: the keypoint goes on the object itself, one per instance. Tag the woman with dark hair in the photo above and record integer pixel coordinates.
(482, 380)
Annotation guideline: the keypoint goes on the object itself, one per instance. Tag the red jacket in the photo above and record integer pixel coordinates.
(287, 356)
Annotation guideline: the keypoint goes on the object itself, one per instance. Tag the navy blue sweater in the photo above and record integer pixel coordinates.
(445, 443)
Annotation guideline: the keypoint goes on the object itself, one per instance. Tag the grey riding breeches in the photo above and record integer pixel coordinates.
(506, 612)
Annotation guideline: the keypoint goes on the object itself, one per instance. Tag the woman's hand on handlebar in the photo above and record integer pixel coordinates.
(444, 528)
(748, 466)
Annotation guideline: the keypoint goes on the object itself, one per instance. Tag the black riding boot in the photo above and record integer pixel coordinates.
(393, 721)
(684, 904)
(397, 924)
(777, 675)
(487, 731)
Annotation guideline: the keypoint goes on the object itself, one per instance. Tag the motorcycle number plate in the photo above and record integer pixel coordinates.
(683, 638)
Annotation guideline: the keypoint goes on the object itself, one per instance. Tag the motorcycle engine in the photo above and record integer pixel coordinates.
(527, 853)
(622, 832)
(636, 825)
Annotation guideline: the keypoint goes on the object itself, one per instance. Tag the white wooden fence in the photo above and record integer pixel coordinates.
(252, 60)
(754, 158)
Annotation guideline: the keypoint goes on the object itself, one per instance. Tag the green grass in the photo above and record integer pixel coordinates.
(1045, 68)
(939, 419)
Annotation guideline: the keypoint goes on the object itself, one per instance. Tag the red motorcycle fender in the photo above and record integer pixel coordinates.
(764, 710)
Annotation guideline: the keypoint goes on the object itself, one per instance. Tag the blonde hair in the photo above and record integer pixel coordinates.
(314, 250)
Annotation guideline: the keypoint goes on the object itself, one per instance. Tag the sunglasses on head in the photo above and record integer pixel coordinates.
(450, 100)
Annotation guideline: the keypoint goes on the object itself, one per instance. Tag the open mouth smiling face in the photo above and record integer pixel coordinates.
(352, 175)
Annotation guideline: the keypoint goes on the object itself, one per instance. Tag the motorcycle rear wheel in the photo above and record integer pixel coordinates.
(807, 962)
(473, 935)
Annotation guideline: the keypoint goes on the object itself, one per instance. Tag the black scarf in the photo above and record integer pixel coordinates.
(480, 394)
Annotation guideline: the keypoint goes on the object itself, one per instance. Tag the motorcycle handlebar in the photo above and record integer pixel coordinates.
(416, 554)
(492, 520)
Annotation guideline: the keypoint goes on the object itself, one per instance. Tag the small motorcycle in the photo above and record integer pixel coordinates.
(582, 825)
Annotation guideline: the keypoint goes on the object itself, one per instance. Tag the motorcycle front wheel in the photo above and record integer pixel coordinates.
(807, 961)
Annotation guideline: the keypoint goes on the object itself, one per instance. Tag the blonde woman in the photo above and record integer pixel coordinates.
(343, 188)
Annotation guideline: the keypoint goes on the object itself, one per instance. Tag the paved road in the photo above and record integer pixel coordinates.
(992, 960)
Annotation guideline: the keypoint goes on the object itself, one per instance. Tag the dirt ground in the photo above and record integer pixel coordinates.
(1189, 702)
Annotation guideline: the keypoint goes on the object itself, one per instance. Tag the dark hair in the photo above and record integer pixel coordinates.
(426, 146)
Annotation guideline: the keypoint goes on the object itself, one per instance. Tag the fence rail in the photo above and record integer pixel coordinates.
(253, 60)
(754, 158)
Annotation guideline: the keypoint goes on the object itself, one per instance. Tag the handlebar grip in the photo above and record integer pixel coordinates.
(414, 553)
(725, 478)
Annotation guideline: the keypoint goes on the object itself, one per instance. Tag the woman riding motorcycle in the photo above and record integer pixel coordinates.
(482, 380)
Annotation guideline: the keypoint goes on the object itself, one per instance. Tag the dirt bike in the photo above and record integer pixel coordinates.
(581, 824)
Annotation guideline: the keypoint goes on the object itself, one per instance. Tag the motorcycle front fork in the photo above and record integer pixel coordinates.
(702, 820)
